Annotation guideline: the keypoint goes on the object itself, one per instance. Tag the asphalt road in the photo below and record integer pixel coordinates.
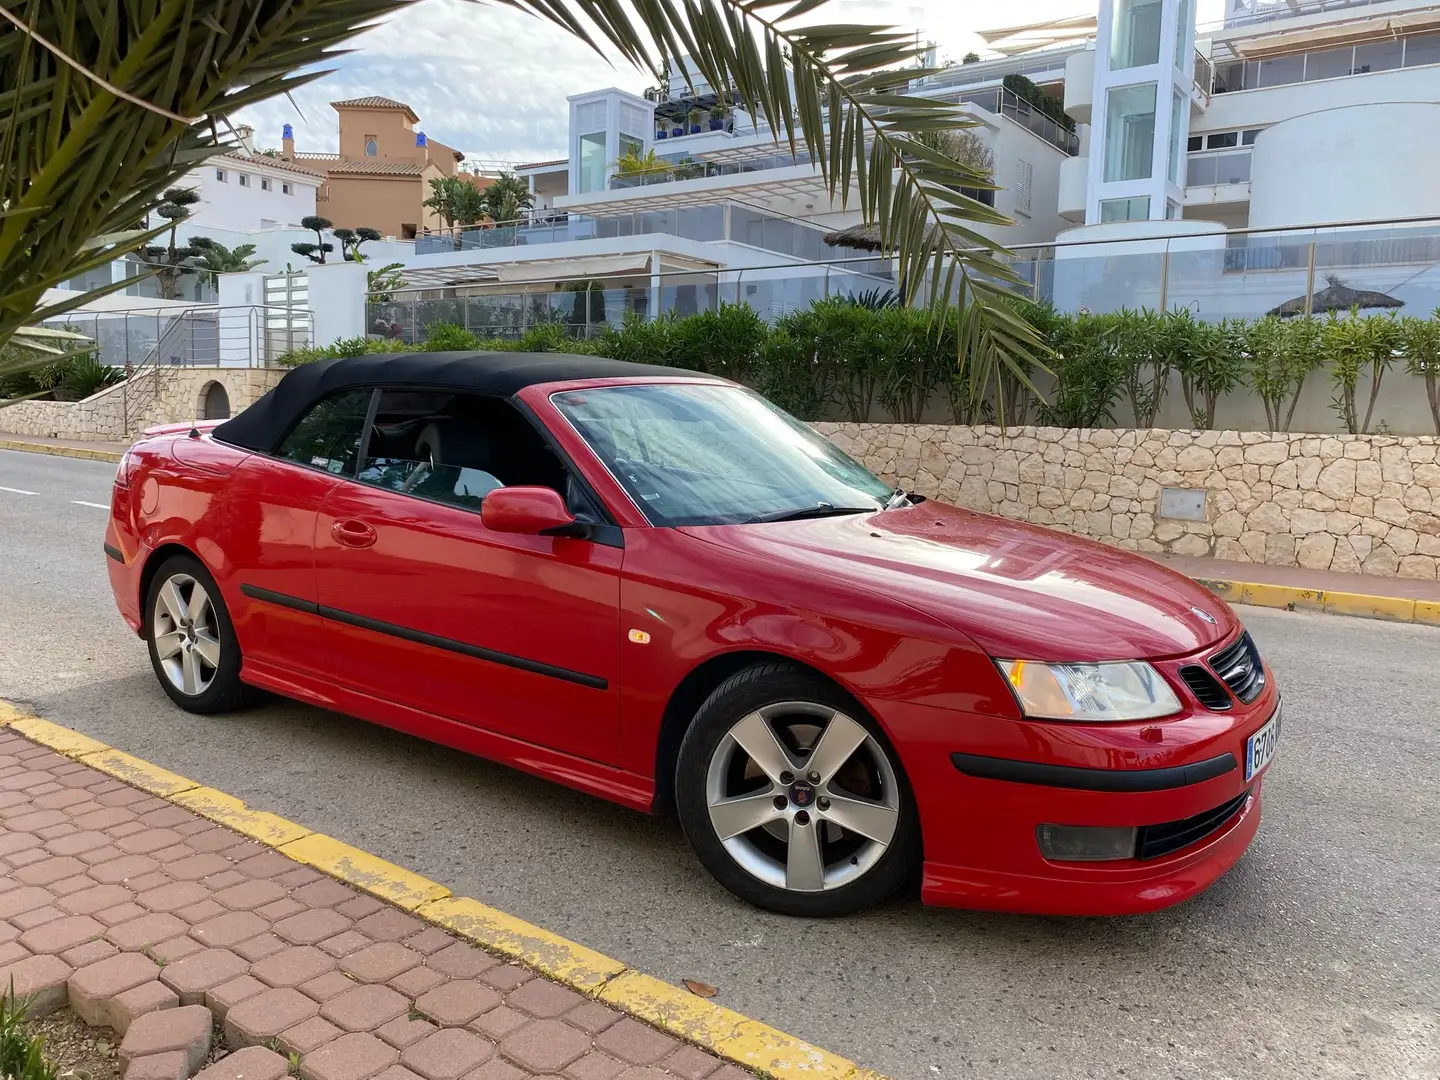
(1318, 956)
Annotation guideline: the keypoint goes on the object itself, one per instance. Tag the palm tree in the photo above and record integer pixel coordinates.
(94, 129)
(506, 197)
(214, 258)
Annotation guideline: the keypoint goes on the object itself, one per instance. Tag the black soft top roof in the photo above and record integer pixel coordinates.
(265, 423)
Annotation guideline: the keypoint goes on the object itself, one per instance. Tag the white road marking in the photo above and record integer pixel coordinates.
(97, 506)
(19, 491)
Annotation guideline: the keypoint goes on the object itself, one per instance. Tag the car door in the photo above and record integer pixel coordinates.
(429, 609)
(268, 543)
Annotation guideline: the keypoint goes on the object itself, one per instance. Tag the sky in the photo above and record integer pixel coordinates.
(492, 82)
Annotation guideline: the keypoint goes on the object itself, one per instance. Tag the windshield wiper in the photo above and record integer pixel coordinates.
(819, 510)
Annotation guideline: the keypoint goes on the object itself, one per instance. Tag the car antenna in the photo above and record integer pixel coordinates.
(194, 432)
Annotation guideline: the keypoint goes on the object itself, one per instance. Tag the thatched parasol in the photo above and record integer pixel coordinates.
(1336, 296)
(864, 237)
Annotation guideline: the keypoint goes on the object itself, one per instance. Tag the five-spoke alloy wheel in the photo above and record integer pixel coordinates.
(192, 644)
(792, 798)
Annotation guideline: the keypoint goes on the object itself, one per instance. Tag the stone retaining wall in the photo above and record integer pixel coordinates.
(1356, 503)
(163, 395)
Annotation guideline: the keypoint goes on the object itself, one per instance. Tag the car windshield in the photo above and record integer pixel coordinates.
(699, 454)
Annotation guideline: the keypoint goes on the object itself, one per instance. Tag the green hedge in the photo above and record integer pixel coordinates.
(867, 359)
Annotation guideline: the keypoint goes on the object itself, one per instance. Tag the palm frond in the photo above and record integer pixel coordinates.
(840, 93)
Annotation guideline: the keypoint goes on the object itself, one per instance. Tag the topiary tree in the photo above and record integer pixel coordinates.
(172, 261)
(315, 252)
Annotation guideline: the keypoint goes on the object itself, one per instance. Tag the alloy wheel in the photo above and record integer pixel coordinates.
(802, 796)
(186, 634)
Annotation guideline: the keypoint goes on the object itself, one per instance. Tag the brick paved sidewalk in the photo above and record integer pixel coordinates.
(173, 931)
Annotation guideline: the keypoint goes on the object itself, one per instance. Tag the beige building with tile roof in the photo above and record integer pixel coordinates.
(382, 173)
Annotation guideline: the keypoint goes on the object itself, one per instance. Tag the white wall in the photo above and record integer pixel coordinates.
(1013, 145)
(230, 205)
(1259, 108)
(1364, 162)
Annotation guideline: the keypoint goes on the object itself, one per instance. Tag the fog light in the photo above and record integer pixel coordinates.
(1084, 843)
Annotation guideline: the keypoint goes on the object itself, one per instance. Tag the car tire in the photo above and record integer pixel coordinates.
(717, 776)
(191, 639)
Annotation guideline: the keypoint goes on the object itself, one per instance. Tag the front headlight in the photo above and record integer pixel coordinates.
(1124, 691)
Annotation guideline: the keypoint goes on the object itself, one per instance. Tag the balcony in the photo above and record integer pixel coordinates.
(1080, 85)
(1074, 182)
(689, 169)
(1218, 167)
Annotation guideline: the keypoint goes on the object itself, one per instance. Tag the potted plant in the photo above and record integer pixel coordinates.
(717, 120)
(661, 133)
(694, 121)
(678, 128)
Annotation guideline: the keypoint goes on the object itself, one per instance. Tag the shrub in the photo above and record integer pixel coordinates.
(1089, 373)
(1211, 362)
(547, 337)
(1351, 345)
(443, 337)
(84, 376)
(1280, 355)
(22, 1055)
(728, 342)
(1420, 344)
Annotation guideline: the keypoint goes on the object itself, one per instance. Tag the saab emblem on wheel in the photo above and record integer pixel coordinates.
(802, 794)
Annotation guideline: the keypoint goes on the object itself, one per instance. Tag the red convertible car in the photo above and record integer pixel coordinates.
(658, 588)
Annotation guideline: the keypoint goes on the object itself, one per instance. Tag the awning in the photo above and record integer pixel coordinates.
(565, 269)
(1333, 35)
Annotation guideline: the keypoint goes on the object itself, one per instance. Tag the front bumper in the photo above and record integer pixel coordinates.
(984, 784)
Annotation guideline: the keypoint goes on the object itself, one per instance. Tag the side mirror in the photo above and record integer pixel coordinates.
(530, 511)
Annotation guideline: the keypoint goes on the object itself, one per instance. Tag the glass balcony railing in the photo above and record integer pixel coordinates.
(1389, 54)
(1217, 167)
(669, 172)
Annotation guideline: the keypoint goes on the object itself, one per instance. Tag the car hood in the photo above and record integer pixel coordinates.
(1019, 591)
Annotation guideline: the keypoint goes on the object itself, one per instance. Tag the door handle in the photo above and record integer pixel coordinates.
(353, 533)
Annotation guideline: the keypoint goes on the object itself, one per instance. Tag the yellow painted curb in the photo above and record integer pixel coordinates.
(369, 873)
(727, 1034)
(1427, 611)
(60, 451)
(1357, 605)
(1370, 607)
(547, 953)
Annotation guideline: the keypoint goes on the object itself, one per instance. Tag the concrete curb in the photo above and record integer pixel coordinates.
(59, 451)
(1357, 605)
(725, 1033)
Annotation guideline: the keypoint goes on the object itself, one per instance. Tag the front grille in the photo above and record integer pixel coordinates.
(1157, 840)
(1239, 667)
(1205, 687)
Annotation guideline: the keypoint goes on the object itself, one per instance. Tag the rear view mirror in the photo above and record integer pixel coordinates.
(528, 511)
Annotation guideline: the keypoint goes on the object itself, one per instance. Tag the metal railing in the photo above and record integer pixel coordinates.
(1217, 167)
(206, 336)
(670, 172)
(1277, 10)
(1289, 69)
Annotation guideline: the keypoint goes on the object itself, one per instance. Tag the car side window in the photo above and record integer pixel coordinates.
(328, 436)
(455, 448)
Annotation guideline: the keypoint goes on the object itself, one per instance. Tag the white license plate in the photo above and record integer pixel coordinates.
(1260, 747)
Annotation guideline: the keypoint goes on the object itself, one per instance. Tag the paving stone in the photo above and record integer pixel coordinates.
(13, 842)
(499, 1022)
(195, 867)
(229, 929)
(195, 827)
(96, 898)
(632, 1041)
(346, 943)
(389, 924)
(252, 894)
(148, 840)
(545, 1046)
(309, 1035)
(26, 898)
(430, 940)
(88, 953)
(332, 984)
(266, 1015)
(28, 920)
(204, 911)
(544, 999)
(192, 976)
(173, 896)
(147, 930)
(448, 1054)
(50, 869)
(120, 913)
(65, 886)
(301, 875)
(398, 1072)
(123, 1009)
(12, 951)
(96, 856)
(92, 986)
(459, 1002)
(595, 1066)
(404, 1031)
(645, 1072)
(223, 880)
(58, 800)
(80, 810)
(506, 977)
(213, 840)
(279, 909)
(731, 1072)
(592, 1017)
(62, 934)
(311, 926)
(173, 1065)
(496, 1069)
(104, 819)
(260, 946)
(265, 864)
(293, 966)
(146, 882)
(28, 857)
(461, 961)
(7, 931)
(357, 907)
(251, 1063)
(123, 869)
(365, 1007)
(417, 981)
(380, 962)
(37, 819)
(324, 893)
(690, 1063)
(221, 999)
(166, 815)
(355, 1056)
(187, 1029)
(176, 948)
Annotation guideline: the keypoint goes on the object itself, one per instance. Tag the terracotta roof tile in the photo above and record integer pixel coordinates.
(273, 162)
(374, 102)
(367, 167)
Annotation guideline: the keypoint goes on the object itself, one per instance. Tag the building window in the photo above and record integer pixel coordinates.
(630, 145)
(220, 175)
(1135, 33)
(1129, 132)
(1378, 56)
(1247, 138)
(244, 179)
(1279, 71)
(1422, 49)
(1183, 22)
(1329, 64)
(1024, 181)
(1222, 141)
(1172, 210)
(264, 183)
(372, 146)
(286, 189)
(592, 161)
(1112, 210)
(1177, 122)
(1195, 142)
